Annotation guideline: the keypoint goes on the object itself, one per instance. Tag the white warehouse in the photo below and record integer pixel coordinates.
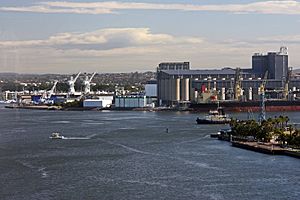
(101, 102)
(151, 88)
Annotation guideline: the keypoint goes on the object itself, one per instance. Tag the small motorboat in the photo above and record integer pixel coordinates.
(215, 135)
(56, 136)
(221, 132)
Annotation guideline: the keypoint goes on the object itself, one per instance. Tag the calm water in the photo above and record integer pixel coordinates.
(130, 156)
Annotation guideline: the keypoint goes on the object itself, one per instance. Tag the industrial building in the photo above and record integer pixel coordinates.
(151, 92)
(99, 102)
(127, 102)
(178, 84)
(151, 89)
(276, 63)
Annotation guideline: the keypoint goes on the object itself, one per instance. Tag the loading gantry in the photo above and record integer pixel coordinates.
(87, 83)
(71, 83)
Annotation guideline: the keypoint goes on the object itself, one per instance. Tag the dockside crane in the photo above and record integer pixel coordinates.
(71, 83)
(87, 83)
(230, 90)
(52, 90)
(237, 84)
(46, 96)
(262, 87)
(286, 84)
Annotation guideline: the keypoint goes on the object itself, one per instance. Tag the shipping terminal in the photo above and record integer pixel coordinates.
(238, 89)
(178, 87)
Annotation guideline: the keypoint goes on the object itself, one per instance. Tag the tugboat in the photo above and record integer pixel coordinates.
(215, 117)
(56, 136)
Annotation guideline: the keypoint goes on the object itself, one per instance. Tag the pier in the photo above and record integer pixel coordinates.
(267, 148)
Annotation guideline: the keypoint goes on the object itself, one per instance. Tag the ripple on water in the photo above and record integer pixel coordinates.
(41, 170)
(61, 122)
(131, 155)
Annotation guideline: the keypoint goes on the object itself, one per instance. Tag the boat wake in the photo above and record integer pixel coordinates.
(198, 164)
(194, 140)
(76, 138)
(131, 181)
(42, 170)
(188, 162)
(149, 183)
(80, 138)
(130, 148)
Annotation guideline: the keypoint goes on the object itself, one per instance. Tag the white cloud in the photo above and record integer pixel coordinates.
(281, 38)
(51, 9)
(129, 49)
(286, 7)
(111, 48)
(104, 39)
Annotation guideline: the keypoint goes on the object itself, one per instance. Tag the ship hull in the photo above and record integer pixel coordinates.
(204, 121)
(254, 106)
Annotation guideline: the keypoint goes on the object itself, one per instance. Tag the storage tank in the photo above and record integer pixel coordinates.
(223, 92)
(196, 96)
(182, 88)
(294, 90)
(173, 89)
(187, 89)
(177, 89)
(169, 89)
(166, 88)
(162, 88)
(250, 97)
(161, 95)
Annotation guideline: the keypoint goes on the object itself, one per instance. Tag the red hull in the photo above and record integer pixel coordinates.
(268, 109)
(254, 106)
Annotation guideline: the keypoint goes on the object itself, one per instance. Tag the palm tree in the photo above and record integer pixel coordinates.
(280, 121)
(286, 120)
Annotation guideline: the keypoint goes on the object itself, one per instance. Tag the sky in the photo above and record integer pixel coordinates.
(129, 35)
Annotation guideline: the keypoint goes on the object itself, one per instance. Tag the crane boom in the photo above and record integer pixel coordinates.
(263, 85)
(92, 76)
(71, 83)
(286, 85)
(53, 87)
(237, 84)
(76, 77)
(262, 115)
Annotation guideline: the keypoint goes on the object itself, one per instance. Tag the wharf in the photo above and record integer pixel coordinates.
(266, 148)
(42, 107)
(45, 107)
(259, 147)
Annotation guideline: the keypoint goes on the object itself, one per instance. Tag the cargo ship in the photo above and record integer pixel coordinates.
(245, 106)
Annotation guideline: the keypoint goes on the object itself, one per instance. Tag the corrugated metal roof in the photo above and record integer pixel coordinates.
(202, 72)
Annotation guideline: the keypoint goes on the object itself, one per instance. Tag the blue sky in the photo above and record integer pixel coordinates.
(111, 36)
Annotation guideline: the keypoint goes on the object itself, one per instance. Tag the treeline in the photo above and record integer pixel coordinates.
(64, 87)
(273, 128)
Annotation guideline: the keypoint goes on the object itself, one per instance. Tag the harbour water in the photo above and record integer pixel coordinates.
(130, 155)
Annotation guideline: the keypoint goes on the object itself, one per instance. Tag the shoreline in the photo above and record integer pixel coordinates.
(45, 107)
(271, 149)
(266, 148)
(146, 109)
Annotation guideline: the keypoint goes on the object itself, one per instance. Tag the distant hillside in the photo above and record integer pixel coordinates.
(14, 81)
